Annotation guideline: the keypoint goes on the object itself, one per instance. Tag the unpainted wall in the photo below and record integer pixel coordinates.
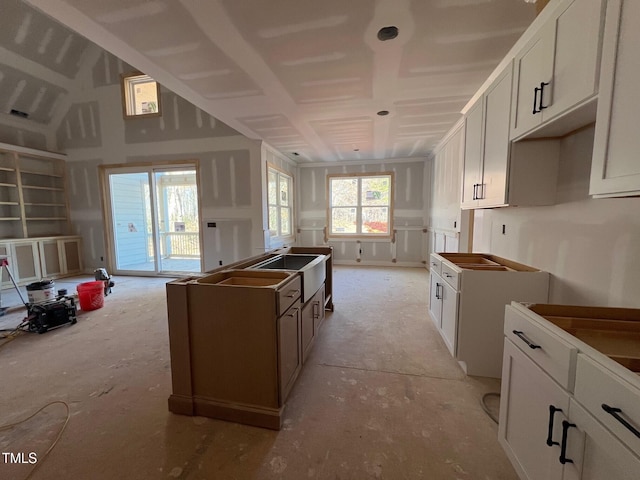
(410, 204)
(590, 246)
(94, 133)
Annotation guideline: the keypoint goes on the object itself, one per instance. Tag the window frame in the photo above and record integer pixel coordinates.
(127, 101)
(280, 173)
(359, 206)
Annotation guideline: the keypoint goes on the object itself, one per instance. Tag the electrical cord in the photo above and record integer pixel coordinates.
(484, 405)
(41, 461)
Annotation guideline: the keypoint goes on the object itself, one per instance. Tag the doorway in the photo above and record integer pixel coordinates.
(154, 215)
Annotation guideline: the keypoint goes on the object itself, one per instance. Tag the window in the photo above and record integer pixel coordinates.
(360, 204)
(280, 203)
(140, 95)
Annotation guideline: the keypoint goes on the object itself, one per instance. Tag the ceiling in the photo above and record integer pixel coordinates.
(306, 77)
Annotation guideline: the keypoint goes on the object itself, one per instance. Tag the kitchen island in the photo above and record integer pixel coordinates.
(240, 334)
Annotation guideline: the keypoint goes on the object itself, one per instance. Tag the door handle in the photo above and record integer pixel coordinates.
(535, 100)
(475, 191)
(563, 448)
(552, 412)
(437, 287)
(540, 106)
(522, 337)
(293, 293)
(613, 411)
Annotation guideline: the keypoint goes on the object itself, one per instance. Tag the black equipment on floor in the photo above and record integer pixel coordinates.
(51, 314)
(101, 274)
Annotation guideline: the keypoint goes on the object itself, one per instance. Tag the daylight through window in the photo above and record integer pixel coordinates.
(140, 95)
(280, 203)
(360, 205)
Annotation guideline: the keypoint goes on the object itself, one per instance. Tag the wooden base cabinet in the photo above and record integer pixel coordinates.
(312, 318)
(553, 420)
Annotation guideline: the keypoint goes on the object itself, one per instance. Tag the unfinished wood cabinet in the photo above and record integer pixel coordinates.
(312, 318)
(25, 265)
(571, 392)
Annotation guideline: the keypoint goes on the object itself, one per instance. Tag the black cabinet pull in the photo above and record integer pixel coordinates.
(613, 411)
(522, 337)
(437, 287)
(475, 191)
(535, 100)
(540, 106)
(552, 412)
(563, 448)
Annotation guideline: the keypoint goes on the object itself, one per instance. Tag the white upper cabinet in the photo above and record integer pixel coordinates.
(556, 73)
(496, 172)
(615, 170)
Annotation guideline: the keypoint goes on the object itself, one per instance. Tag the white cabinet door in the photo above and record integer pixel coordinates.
(472, 171)
(5, 281)
(527, 423)
(532, 69)
(26, 261)
(435, 299)
(493, 190)
(50, 258)
(558, 70)
(71, 251)
(576, 57)
(615, 170)
(449, 318)
(594, 452)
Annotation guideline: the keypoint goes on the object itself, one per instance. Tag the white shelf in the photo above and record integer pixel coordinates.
(8, 185)
(9, 203)
(8, 219)
(7, 169)
(45, 218)
(40, 204)
(42, 174)
(34, 187)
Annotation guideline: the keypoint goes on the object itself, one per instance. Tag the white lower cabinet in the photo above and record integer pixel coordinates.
(443, 305)
(527, 423)
(31, 260)
(467, 305)
(550, 431)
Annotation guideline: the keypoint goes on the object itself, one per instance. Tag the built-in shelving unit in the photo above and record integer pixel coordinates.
(34, 201)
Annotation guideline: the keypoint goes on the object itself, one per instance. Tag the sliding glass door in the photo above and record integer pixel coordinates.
(154, 220)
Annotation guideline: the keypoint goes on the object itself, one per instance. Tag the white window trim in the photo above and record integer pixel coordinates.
(359, 207)
(281, 173)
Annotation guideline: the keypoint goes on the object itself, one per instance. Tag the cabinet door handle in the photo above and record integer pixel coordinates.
(448, 275)
(552, 412)
(437, 287)
(293, 313)
(522, 337)
(613, 411)
(540, 106)
(563, 448)
(293, 293)
(475, 191)
(535, 100)
(316, 310)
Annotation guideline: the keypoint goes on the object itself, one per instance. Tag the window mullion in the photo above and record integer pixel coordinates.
(359, 208)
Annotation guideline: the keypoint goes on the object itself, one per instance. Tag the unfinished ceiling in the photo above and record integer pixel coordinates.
(308, 77)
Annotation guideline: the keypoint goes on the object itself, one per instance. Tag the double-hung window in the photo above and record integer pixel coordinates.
(360, 205)
(280, 189)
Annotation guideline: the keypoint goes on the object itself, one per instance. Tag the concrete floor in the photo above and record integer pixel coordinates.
(380, 397)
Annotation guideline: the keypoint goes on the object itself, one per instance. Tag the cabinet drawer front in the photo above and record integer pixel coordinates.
(434, 264)
(288, 294)
(553, 354)
(450, 276)
(597, 386)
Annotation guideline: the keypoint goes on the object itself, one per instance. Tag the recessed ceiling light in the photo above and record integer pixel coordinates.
(382, 113)
(387, 33)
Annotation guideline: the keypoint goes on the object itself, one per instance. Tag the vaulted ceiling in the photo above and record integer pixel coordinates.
(307, 77)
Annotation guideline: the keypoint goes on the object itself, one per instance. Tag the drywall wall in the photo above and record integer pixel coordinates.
(410, 205)
(590, 246)
(94, 133)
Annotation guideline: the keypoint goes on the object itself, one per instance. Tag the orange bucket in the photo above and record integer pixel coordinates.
(91, 295)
